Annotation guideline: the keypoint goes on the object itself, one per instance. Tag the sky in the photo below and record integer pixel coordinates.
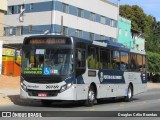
(150, 7)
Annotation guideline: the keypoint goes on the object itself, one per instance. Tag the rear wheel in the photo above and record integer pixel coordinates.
(91, 97)
(129, 96)
(46, 102)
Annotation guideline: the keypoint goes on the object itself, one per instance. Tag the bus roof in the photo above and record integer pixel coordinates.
(104, 43)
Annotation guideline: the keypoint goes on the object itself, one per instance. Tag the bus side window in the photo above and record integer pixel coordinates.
(104, 58)
(93, 58)
(133, 62)
(140, 63)
(80, 58)
(144, 64)
(124, 61)
(115, 60)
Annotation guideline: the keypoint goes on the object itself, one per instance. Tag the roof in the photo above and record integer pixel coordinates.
(106, 1)
(115, 45)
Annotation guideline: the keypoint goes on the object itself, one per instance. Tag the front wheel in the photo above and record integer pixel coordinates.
(91, 97)
(129, 96)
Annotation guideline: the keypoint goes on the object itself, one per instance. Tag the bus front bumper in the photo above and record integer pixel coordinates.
(69, 94)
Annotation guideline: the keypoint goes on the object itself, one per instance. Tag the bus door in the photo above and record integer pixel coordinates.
(80, 69)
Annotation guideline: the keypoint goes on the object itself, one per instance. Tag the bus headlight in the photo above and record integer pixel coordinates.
(24, 87)
(66, 86)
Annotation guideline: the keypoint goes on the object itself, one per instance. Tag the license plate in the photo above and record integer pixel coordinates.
(42, 95)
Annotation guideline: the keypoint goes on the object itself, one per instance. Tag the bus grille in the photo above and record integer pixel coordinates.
(50, 93)
(43, 80)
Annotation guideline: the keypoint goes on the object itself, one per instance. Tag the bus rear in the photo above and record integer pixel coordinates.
(47, 69)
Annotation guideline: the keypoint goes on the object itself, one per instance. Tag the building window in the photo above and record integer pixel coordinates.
(102, 37)
(79, 33)
(10, 10)
(31, 6)
(30, 28)
(8, 31)
(103, 20)
(80, 12)
(120, 31)
(65, 8)
(20, 8)
(112, 23)
(19, 30)
(126, 33)
(92, 16)
(91, 36)
(65, 30)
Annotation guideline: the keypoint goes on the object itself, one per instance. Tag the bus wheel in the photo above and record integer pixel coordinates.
(91, 97)
(46, 102)
(129, 96)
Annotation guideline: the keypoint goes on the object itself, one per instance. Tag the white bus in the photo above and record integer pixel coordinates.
(57, 67)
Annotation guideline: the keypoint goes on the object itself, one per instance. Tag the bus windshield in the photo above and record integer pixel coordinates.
(47, 61)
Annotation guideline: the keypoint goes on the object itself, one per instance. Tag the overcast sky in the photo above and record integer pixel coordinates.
(150, 7)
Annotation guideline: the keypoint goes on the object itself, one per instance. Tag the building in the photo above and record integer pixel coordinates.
(130, 38)
(96, 19)
(125, 36)
(138, 40)
(3, 8)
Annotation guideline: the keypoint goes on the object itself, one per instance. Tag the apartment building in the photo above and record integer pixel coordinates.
(93, 20)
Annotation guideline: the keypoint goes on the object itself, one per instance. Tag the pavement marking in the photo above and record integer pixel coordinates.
(121, 105)
(93, 109)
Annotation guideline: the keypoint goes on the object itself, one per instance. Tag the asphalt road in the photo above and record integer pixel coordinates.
(148, 101)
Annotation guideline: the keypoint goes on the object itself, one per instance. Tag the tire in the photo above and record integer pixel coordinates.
(129, 96)
(91, 97)
(46, 102)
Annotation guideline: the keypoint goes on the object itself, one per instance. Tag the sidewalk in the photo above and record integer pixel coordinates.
(9, 86)
(10, 89)
(153, 85)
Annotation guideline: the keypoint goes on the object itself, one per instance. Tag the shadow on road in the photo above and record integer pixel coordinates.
(60, 104)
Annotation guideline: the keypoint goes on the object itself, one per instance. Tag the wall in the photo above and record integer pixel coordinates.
(3, 5)
(125, 36)
(1, 43)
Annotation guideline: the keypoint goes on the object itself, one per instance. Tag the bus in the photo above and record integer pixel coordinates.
(58, 68)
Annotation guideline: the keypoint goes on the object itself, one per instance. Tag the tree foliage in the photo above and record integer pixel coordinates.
(153, 60)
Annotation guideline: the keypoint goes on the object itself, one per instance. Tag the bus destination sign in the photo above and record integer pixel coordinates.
(47, 41)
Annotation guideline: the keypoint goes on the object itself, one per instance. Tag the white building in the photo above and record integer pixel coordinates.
(3, 8)
(89, 19)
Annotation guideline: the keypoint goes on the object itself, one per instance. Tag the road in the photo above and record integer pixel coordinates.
(148, 101)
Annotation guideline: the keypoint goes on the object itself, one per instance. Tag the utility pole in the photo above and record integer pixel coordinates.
(118, 4)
